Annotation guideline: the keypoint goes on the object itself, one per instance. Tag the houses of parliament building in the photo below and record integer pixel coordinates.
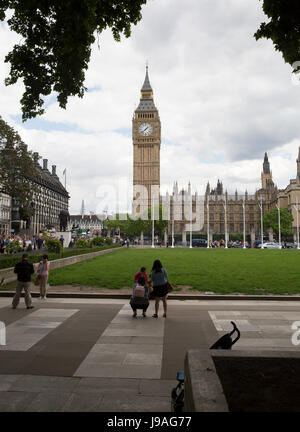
(208, 211)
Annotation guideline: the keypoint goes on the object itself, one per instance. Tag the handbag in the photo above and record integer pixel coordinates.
(169, 287)
(37, 281)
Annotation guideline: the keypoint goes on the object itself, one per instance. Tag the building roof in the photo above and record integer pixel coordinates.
(147, 85)
(51, 181)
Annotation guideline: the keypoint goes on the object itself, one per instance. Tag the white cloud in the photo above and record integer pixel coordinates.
(224, 99)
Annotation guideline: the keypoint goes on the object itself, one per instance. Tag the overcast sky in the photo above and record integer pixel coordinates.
(224, 99)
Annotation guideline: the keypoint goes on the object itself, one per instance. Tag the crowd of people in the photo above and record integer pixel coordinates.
(10, 244)
(14, 243)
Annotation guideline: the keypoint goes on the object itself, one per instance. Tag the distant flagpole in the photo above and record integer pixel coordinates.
(65, 174)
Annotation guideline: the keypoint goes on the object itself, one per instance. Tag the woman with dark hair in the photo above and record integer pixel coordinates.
(159, 279)
(42, 276)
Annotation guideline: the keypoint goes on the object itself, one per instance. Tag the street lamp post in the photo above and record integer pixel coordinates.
(261, 223)
(207, 206)
(152, 212)
(191, 223)
(225, 210)
(173, 225)
(297, 218)
(244, 222)
(279, 231)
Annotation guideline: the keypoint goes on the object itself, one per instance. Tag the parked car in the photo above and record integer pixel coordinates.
(290, 245)
(199, 243)
(270, 245)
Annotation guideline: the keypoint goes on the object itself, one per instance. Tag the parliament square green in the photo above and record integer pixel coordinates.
(221, 271)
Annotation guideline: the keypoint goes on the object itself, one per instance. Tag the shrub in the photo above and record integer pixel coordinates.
(14, 246)
(98, 241)
(29, 248)
(108, 241)
(82, 243)
(53, 245)
(11, 261)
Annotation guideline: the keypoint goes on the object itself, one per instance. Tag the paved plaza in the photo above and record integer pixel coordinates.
(91, 355)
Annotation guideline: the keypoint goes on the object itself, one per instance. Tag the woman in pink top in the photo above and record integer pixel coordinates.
(42, 274)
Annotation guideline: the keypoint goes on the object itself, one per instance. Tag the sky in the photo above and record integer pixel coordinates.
(224, 100)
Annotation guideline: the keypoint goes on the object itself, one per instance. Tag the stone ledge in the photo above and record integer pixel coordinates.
(203, 391)
(9, 275)
(248, 381)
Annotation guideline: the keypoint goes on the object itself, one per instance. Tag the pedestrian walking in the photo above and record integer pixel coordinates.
(42, 276)
(24, 270)
(159, 279)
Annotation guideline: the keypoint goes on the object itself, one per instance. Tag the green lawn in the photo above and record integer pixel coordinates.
(223, 271)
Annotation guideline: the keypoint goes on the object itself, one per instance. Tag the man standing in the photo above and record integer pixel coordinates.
(40, 242)
(62, 240)
(24, 270)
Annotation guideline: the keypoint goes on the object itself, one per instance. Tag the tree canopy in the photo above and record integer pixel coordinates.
(283, 28)
(134, 227)
(17, 169)
(270, 220)
(57, 38)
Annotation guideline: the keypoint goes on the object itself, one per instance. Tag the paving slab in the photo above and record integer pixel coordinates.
(126, 364)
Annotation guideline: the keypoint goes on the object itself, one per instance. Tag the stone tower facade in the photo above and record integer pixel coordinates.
(146, 136)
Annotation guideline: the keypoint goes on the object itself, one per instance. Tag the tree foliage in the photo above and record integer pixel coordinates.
(57, 37)
(134, 227)
(283, 28)
(270, 220)
(17, 169)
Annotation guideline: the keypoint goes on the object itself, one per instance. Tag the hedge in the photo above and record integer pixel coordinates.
(11, 261)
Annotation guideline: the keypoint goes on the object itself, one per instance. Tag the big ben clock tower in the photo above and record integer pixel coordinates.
(146, 136)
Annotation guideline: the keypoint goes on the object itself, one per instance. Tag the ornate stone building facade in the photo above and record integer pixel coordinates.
(49, 200)
(217, 211)
(5, 211)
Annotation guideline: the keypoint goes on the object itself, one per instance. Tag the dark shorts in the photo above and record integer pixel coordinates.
(160, 291)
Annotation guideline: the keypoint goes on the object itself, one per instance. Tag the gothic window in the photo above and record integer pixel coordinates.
(241, 216)
(251, 216)
(241, 227)
(231, 216)
(222, 229)
(231, 227)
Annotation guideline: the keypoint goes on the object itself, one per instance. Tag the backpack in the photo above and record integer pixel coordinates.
(139, 291)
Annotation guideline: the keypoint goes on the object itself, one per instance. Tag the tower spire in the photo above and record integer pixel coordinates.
(147, 86)
(298, 167)
(266, 164)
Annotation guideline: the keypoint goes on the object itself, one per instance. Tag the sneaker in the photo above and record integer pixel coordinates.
(45, 298)
(41, 298)
(144, 315)
(134, 315)
(165, 315)
(29, 307)
(154, 316)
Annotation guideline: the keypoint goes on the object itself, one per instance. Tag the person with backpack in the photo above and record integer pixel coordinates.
(140, 297)
(142, 273)
(159, 279)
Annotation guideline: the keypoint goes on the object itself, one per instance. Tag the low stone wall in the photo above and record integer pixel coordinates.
(9, 275)
(242, 381)
(203, 391)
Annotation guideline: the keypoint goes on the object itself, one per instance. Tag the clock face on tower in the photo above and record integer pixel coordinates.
(145, 129)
